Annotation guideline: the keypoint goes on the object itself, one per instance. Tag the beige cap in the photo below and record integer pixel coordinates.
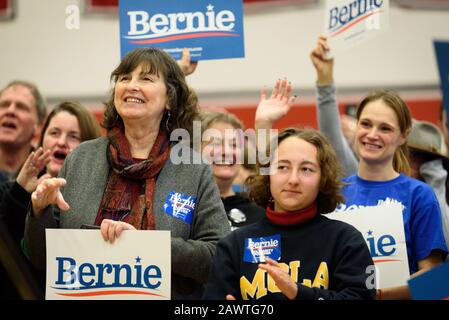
(425, 137)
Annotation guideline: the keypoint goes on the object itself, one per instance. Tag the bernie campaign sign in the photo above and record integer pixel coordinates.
(211, 29)
(383, 229)
(431, 285)
(349, 22)
(82, 266)
(442, 54)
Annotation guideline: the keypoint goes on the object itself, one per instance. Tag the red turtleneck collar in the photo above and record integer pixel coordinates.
(292, 217)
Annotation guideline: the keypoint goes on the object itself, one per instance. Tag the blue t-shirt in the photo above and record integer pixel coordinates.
(421, 213)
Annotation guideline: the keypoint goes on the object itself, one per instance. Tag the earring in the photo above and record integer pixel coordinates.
(166, 121)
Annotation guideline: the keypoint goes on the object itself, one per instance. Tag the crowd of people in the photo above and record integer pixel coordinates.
(58, 171)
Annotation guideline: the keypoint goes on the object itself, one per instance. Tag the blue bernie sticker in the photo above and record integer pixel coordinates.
(256, 249)
(180, 206)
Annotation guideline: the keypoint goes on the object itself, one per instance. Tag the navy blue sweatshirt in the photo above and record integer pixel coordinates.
(328, 259)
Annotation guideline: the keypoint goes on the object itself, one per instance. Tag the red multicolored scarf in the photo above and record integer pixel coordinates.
(130, 187)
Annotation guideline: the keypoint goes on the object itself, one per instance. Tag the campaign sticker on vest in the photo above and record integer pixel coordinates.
(256, 249)
(210, 29)
(180, 206)
(82, 266)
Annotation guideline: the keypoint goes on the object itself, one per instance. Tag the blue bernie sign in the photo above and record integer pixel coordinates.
(442, 54)
(432, 285)
(210, 29)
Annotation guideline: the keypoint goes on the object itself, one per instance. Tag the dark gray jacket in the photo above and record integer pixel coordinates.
(86, 170)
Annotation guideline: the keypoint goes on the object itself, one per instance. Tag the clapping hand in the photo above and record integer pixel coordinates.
(281, 278)
(36, 162)
(48, 192)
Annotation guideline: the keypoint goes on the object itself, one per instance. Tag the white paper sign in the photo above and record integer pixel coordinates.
(383, 229)
(81, 265)
(349, 22)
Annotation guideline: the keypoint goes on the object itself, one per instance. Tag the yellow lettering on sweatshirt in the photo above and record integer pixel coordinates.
(262, 283)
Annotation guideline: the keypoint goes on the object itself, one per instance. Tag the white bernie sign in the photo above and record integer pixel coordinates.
(349, 22)
(81, 265)
(382, 227)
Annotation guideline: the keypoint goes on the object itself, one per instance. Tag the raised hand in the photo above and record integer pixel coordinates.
(48, 192)
(281, 278)
(35, 163)
(186, 64)
(271, 109)
(324, 67)
(110, 229)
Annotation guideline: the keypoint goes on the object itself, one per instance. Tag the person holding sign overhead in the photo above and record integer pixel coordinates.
(127, 180)
(294, 252)
(383, 124)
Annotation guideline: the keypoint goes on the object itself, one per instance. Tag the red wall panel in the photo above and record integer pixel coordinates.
(114, 3)
(305, 115)
(4, 4)
(102, 3)
(6, 9)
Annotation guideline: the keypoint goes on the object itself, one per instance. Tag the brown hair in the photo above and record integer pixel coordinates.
(89, 127)
(400, 108)
(210, 117)
(182, 100)
(329, 195)
(41, 107)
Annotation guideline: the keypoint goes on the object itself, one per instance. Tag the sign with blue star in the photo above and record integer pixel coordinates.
(210, 29)
(82, 266)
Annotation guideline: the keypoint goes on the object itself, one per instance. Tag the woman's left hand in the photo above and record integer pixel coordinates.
(34, 164)
(281, 278)
(110, 229)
